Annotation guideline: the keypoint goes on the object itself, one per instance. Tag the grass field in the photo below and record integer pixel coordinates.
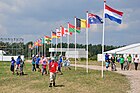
(70, 82)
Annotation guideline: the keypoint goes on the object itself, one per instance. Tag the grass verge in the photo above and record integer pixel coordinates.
(70, 82)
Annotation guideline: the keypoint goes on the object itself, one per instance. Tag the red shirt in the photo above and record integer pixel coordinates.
(53, 67)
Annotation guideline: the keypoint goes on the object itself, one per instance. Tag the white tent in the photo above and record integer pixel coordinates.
(130, 49)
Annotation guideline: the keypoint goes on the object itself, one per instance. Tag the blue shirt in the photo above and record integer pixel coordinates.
(18, 61)
(37, 60)
(60, 61)
(106, 57)
(13, 62)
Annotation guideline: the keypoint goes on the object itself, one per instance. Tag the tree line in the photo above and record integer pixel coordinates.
(23, 49)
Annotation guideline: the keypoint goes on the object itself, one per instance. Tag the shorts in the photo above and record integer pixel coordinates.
(37, 65)
(52, 77)
(129, 61)
(12, 68)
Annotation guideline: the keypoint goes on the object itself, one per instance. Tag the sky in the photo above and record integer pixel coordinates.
(33, 19)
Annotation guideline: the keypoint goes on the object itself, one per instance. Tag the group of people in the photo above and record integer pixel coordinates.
(122, 60)
(17, 65)
(50, 65)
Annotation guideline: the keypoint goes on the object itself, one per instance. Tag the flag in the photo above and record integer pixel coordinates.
(43, 40)
(39, 42)
(47, 39)
(94, 19)
(72, 28)
(54, 35)
(66, 32)
(113, 15)
(63, 31)
(80, 23)
(58, 33)
(83, 23)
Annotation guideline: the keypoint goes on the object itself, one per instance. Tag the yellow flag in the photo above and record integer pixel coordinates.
(83, 23)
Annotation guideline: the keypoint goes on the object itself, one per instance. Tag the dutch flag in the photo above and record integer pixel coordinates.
(113, 14)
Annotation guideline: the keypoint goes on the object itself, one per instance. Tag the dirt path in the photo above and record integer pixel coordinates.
(133, 76)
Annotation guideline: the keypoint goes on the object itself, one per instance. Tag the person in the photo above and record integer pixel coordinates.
(121, 61)
(21, 67)
(53, 68)
(107, 60)
(18, 64)
(136, 61)
(12, 65)
(60, 64)
(129, 59)
(37, 63)
(33, 63)
(113, 65)
(44, 65)
(67, 63)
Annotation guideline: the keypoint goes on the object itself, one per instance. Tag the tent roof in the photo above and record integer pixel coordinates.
(130, 49)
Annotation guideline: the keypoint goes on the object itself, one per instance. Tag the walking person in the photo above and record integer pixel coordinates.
(44, 65)
(121, 61)
(33, 63)
(18, 64)
(12, 65)
(129, 59)
(53, 67)
(113, 65)
(107, 61)
(60, 64)
(136, 61)
(21, 67)
(37, 63)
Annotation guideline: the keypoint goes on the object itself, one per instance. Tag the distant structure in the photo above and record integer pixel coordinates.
(130, 49)
(80, 52)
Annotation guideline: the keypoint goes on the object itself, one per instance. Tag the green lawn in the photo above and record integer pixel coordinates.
(70, 82)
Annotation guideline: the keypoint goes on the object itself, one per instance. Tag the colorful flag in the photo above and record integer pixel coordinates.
(47, 39)
(66, 32)
(113, 15)
(94, 19)
(54, 35)
(58, 33)
(72, 28)
(80, 23)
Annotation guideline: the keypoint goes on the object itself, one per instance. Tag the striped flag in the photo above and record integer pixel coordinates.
(113, 15)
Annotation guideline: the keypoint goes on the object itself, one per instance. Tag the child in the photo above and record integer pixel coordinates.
(21, 67)
(33, 63)
(53, 67)
(12, 65)
(44, 65)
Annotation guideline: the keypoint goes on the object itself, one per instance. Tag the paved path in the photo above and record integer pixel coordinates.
(133, 76)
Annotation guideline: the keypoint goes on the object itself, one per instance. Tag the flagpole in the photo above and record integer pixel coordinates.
(51, 44)
(45, 49)
(56, 42)
(75, 43)
(103, 36)
(87, 41)
(61, 40)
(42, 49)
(68, 40)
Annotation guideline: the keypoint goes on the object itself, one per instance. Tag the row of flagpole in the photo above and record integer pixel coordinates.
(97, 20)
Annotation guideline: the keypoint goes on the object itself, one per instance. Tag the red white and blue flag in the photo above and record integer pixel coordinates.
(113, 15)
(94, 19)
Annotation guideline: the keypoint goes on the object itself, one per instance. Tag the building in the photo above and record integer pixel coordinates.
(129, 49)
(80, 52)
